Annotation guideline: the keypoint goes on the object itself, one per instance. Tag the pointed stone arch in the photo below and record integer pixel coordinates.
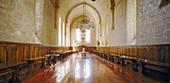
(83, 3)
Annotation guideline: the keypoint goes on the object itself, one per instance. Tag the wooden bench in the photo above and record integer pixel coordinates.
(59, 54)
(120, 59)
(157, 70)
(6, 68)
(34, 62)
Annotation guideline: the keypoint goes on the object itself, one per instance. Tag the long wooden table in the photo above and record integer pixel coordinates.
(31, 61)
(14, 66)
(56, 52)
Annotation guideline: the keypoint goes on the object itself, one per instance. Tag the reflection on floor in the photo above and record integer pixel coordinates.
(87, 69)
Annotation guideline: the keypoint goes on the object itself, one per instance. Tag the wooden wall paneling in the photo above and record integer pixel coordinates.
(12, 53)
(168, 54)
(139, 52)
(116, 52)
(104, 50)
(133, 51)
(38, 51)
(152, 53)
(20, 52)
(41, 51)
(44, 50)
(128, 51)
(33, 51)
(162, 54)
(113, 50)
(109, 50)
(120, 48)
(3, 53)
(144, 53)
(124, 50)
(48, 50)
(28, 51)
(124, 53)
(25, 51)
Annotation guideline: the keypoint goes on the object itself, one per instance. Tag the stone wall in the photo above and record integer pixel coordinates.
(153, 23)
(131, 22)
(117, 37)
(18, 19)
(50, 32)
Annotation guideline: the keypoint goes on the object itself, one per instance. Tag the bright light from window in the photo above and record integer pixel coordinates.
(59, 32)
(78, 35)
(63, 34)
(88, 36)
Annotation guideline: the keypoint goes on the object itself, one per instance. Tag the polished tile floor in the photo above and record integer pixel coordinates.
(87, 69)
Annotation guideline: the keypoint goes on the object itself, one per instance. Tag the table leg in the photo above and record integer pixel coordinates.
(43, 63)
(14, 78)
(112, 58)
(118, 61)
(123, 62)
(30, 64)
(135, 65)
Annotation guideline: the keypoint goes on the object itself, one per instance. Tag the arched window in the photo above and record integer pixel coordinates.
(59, 32)
(88, 36)
(78, 35)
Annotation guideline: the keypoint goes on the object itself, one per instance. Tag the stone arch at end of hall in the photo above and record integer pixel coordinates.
(72, 21)
(83, 3)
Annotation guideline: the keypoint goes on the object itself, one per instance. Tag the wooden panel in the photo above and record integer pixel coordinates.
(3, 53)
(21, 49)
(160, 53)
(33, 51)
(145, 53)
(12, 54)
(28, 49)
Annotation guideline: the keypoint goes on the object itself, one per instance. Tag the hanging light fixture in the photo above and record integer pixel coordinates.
(85, 23)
